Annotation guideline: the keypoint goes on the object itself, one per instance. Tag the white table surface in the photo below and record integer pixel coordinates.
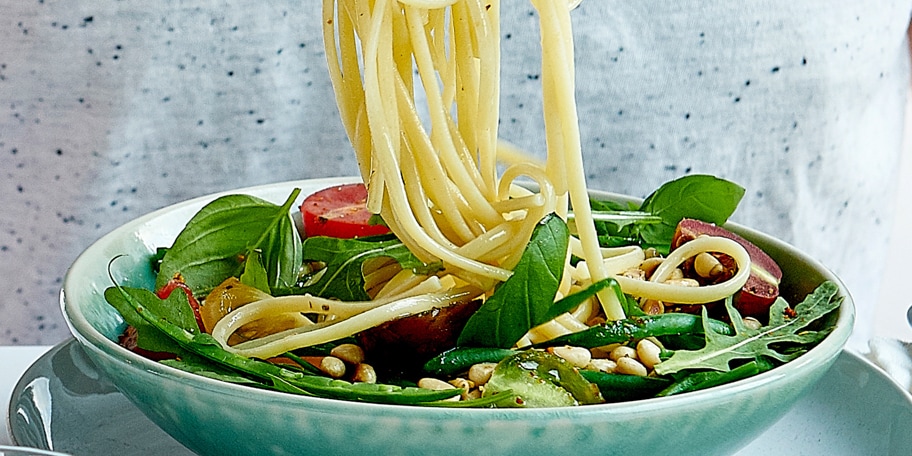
(14, 360)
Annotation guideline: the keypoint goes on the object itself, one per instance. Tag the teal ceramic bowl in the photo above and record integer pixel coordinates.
(216, 418)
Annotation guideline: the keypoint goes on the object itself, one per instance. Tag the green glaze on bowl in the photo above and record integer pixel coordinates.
(216, 418)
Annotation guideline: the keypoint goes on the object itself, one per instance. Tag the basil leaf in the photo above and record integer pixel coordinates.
(698, 196)
(201, 366)
(216, 241)
(255, 274)
(176, 309)
(279, 378)
(342, 277)
(523, 300)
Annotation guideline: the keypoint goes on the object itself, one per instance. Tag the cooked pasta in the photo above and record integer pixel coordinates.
(432, 168)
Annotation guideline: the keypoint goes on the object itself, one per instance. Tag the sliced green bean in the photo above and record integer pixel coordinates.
(458, 360)
(635, 328)
(621, 387)
(707, 379)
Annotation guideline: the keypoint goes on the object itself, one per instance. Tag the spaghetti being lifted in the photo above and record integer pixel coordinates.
(437, 185)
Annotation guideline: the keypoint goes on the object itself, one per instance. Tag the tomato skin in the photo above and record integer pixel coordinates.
(340, 212)
(177, 283)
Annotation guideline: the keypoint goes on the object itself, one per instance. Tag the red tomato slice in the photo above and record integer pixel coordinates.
(339, 212)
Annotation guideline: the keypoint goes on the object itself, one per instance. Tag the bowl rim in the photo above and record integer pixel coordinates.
(91, 338)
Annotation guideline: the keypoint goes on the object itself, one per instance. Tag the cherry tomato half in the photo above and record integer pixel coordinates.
(340, 212)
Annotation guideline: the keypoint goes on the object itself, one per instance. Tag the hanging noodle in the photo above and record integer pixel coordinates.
(437, 185)
(431, 168)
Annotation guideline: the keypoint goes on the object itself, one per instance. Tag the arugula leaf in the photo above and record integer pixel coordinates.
(523, 300)
(698, 196)
(216, 241)
(782, 339)
(342, 277)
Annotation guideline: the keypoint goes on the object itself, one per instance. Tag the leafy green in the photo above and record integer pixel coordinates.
(522, 301)
(275, 377)
(624, 387)
(255, 275)
(342, 278)
(783, 339)
(540, 379)
(460, 359)
(176, 309)
(217, 240)
(201, 366)
(639, 327)
(698, 196)
(708, 378)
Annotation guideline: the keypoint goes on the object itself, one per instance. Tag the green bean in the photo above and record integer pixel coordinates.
(458, 360)
(621, 387)
(635, 328)
(706, 379)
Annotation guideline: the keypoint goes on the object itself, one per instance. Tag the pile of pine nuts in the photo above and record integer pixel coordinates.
(346, 361)
(636, 359)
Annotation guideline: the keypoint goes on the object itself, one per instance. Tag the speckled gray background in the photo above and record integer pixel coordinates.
(109, 110)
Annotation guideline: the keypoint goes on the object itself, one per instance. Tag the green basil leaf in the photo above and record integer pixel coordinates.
(217, 240)
(176, 309)
(523, 300)
(202, 366)
(698, 196)
(342, 277)
(279, 378)
(255, 274)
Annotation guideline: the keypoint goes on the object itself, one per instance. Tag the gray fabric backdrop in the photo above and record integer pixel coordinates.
(109, 110)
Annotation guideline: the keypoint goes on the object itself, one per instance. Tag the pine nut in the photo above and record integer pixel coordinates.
(649, 265)
(707, 266)
(466, 385)
(648, 353)
(652, 307)
(350, 353)
(480, 373)
(332, 366)
(364, 373)
(752, 323)
(437, 385)
(683, 282)
(577, 356)
(473, 394)
(603, 365)
(434, 384)
(622, 351)
(635, 273)
(630, 366)
(604, 351)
